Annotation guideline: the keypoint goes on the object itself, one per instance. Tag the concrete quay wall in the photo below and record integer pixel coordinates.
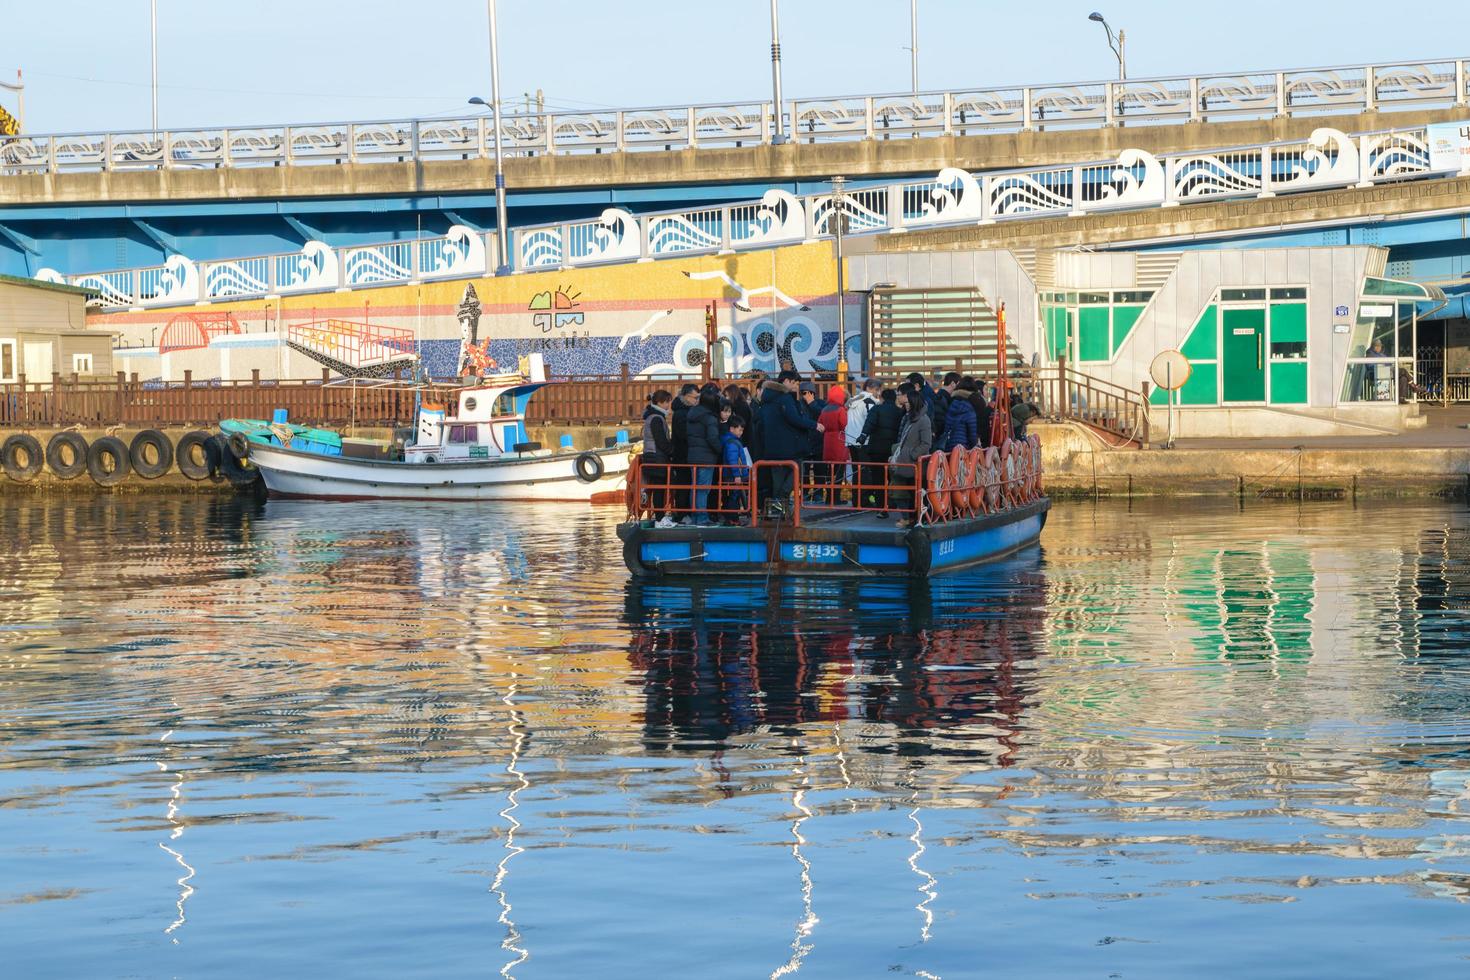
(1080, 463)
(784, 163)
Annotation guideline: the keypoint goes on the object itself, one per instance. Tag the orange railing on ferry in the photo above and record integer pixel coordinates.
(960, 484)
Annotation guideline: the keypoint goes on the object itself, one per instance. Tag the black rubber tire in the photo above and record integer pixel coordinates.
(10, 457)
(113, 448)
(59, 466)
(238, 445)
(138, 454)
(184, 456)
(588, 467)
(232, 467)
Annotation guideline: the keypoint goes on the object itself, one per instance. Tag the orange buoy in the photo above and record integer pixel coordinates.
(936, 479)
(976, 482)
(959, 471)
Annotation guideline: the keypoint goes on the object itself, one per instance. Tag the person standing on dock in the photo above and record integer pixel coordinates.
(915, 440)
(784, 426)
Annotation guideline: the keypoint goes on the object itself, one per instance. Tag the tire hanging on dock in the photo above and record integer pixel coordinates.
(232, 467)
(194, 469)
(21, 457)
(107, 461)
(163, 454)
(588, 467)
(239, 445)
(62, 445)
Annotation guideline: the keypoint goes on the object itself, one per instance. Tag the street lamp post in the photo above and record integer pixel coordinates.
(502, 222)
(780, 135)
(914, 45)
(20, 100)
(153, 33)
(1115, 42)
(837, 222)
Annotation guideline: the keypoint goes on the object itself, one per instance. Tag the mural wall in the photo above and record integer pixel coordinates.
(773, 305)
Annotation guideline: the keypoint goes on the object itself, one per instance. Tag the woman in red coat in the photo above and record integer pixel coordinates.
(835, 456)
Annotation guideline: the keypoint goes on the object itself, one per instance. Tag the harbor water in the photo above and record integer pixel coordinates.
(304, 739)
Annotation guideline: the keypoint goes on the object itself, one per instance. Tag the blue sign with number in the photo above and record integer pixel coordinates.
(801, 551)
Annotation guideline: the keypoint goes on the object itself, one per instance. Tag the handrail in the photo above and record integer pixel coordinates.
(1328, 159)
(895, 115)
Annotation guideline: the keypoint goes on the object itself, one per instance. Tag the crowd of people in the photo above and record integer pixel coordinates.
(853, 447)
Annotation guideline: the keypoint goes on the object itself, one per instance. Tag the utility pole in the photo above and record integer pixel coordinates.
(780, 134)
(914, 44)
(502, 222)
(153, 32)
(20, 101)
(839, 217)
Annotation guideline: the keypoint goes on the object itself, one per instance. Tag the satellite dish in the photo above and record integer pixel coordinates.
(1170, 370)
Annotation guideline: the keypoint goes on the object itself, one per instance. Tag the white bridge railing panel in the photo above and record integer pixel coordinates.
(1135, 179)
(1440, 82)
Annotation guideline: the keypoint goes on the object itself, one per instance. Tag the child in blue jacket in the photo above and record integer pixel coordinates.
(736, 474)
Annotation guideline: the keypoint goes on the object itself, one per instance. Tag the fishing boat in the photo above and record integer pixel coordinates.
(951, 511)
(475, 447)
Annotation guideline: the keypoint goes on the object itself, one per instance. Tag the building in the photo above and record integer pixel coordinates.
(43, 332)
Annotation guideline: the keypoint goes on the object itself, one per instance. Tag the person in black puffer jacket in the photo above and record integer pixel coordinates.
(658, 453)
(705, 451)
(881, 429)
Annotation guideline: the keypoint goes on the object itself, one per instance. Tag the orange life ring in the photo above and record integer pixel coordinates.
(633, 489)
(977, 481)
(991, 478)
(936, 482)
(959, 471)
(1008, 472)
(1035, 442)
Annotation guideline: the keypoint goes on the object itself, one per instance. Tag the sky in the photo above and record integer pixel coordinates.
(259, 62)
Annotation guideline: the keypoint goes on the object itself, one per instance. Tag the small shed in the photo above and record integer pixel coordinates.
(43, 331)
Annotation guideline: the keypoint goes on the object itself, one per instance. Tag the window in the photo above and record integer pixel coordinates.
(1289, 292)
(464, 433)
(1092, 298)
(1241, 295)
(1134, 296)
(7, 361)
(81, 364)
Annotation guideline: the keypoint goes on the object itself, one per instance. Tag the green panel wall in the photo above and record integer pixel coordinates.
(1124, 317)
(1202, 388)
(1202, 344)
(1288, 381)
(1093, 340)
(1289, 323)
(1055, 318)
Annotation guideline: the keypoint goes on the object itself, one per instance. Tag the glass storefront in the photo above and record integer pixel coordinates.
(1383, 348)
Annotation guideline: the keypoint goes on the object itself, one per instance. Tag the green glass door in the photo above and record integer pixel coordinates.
(1243, 354)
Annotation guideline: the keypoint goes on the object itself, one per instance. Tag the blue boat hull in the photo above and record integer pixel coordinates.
(856, 548)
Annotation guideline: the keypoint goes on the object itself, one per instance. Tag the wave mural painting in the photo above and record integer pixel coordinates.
(771, 306)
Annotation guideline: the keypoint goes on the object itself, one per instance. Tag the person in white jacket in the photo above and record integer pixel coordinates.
(858, 407)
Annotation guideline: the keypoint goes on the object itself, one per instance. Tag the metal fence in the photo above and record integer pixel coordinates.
(1135, 179)
(1435, 82)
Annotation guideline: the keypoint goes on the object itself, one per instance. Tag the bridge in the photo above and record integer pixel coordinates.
(93, 201)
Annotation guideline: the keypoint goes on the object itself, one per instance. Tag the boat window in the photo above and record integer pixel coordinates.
(469, 403)
(505, 404)
(463, 433)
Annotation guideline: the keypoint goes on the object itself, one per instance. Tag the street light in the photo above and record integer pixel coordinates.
(837, 223)
(502, 224)
(780, 135)
(1114, 42)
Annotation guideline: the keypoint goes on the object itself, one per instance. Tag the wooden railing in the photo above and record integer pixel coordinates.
(1062, 392)
(599, 399)
(122, 401)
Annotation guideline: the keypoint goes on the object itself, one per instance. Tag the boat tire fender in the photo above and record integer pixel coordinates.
(921, 553)
(232, 467)
(238, 445)
(108, 448)
(588, 467)
(11, 453)
(184, 456)
(56, 460)
(163, 454)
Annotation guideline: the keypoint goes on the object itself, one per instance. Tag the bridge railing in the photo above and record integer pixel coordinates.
(1188, 98)
(1135, 179)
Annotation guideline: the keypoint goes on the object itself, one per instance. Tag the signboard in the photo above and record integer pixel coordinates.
(1339, 311)
(1366, 310)
(1449, 146)
(798, 551)
(479, 452)
(1341, 328)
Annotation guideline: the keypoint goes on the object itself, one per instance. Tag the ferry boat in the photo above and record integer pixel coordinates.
(960, 509)
(476, 449)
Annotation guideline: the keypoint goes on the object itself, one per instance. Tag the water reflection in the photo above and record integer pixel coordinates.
(473, 717)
